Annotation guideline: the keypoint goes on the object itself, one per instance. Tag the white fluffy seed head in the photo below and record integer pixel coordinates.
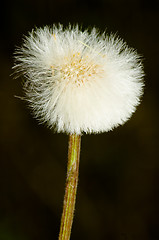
(78, 81)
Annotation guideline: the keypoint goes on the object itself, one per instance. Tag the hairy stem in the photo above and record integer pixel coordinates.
(71, 187)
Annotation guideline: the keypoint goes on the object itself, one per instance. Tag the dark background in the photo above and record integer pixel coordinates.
(118, 192)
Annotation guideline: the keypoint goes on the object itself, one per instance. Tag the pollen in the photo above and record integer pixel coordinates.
(54, 36)
(78, 69)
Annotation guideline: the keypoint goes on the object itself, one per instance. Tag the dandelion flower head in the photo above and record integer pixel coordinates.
(79, 81)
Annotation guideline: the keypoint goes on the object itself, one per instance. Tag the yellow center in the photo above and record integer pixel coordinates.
(78, 69)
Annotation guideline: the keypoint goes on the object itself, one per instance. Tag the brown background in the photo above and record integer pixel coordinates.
(118, 193)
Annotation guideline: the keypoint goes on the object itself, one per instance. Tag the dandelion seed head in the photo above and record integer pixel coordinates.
(78, 81)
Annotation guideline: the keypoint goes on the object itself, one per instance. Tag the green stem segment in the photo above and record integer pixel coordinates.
(71, 187)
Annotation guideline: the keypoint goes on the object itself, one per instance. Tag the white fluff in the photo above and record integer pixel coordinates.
(79, 81)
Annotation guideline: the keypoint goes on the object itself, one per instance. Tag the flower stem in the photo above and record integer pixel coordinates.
(71, 187)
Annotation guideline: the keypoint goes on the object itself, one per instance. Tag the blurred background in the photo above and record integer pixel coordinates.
(118, 192)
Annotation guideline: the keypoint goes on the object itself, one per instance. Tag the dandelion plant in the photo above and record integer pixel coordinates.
(78, 82)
